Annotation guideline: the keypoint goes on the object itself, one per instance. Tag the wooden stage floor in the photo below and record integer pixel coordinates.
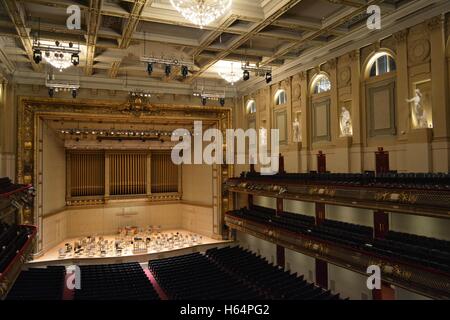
(51, 257)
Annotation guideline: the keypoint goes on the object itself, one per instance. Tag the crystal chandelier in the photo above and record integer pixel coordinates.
(201, 12)
(227, 72)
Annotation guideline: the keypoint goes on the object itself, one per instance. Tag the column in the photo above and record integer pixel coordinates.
(304, 123)
(357, 138)
(439, 78)
(403, 109)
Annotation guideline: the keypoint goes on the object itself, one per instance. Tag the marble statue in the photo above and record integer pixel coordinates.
(346, 123)
(419, 112)
(297, 131)
(263, 136)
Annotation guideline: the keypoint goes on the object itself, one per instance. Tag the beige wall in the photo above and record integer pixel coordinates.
(7, 130)
(422, 61)
(54, 172)
(197, 182)
(106, 220)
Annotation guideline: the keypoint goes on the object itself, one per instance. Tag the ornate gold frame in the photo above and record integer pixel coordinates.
(32, 109)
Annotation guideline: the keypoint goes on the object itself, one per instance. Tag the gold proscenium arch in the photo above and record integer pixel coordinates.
(33, 110)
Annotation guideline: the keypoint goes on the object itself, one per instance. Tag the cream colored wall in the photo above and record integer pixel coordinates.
(107, 219)
(300, 263)
(198, 219)
(197, 183)
(420, 54)
(264, 248)
(425, 226)
(54, 172)
(265, 202)
(351, 215)
(7, 130)
(348, 283)
(305, 208)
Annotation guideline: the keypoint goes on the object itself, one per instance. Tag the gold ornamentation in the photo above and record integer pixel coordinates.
(435, 23)
(402, 197)
(401, 36)
(322, 191)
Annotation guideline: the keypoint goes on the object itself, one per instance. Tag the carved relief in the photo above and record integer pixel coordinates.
(344, 77)
(419, 51)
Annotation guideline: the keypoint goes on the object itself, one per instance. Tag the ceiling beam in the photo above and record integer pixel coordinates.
(15, 12)
(305, 25)
(93, 24)
(278, 11)
(128, 30)
(332, 24)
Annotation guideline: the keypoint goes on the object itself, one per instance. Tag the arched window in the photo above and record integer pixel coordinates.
(380, 64)
(251, 107)
(280, 97)
(321, 84)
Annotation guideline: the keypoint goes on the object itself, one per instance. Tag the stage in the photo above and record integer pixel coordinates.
(159, 245)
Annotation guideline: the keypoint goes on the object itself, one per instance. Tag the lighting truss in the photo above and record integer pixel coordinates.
(167, 62)
(257, 70)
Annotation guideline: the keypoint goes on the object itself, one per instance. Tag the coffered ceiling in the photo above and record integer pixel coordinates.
(114, 35)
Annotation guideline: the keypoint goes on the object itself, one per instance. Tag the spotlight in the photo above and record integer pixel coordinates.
(74, 93)
(204, 101)
(184, 71)
(268, 77)
(75, 59)
(246, 75)
(150, 68)
(51, 92)
(168, 69)
(222, 101)
(37, 56)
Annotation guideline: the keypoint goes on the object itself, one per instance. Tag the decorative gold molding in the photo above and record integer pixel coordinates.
(401, 36)
(435, 23)
(31, 109)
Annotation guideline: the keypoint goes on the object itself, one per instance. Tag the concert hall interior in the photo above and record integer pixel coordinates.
(224, 150)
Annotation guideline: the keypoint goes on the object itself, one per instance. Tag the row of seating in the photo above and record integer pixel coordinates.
(271, 279)
(195, 277)
(12, 239)
(39, 284)
(392, 179)
(126, 281)
(426, 251)
(7, 186)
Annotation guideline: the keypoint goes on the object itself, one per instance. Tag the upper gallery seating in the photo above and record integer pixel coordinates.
(421, 250)
(230, 273)
(125, 281)
(417, 249)
(39, 284)
(195, 277)
(273, 280)
(6, 186)
(428, 181)
(12, 238)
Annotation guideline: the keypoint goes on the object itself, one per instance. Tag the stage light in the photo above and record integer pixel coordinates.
(184, 71)
(51, 92)
(204, 101)
(246, 75)
(75, 59)
(74, 93)
(150, 68)
(37, 56)
(168, 69)
(222, 101)
(268, 77)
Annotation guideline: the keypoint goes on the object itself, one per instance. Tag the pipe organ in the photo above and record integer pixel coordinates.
(164, 174)
(127, 174)
(87, 174)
